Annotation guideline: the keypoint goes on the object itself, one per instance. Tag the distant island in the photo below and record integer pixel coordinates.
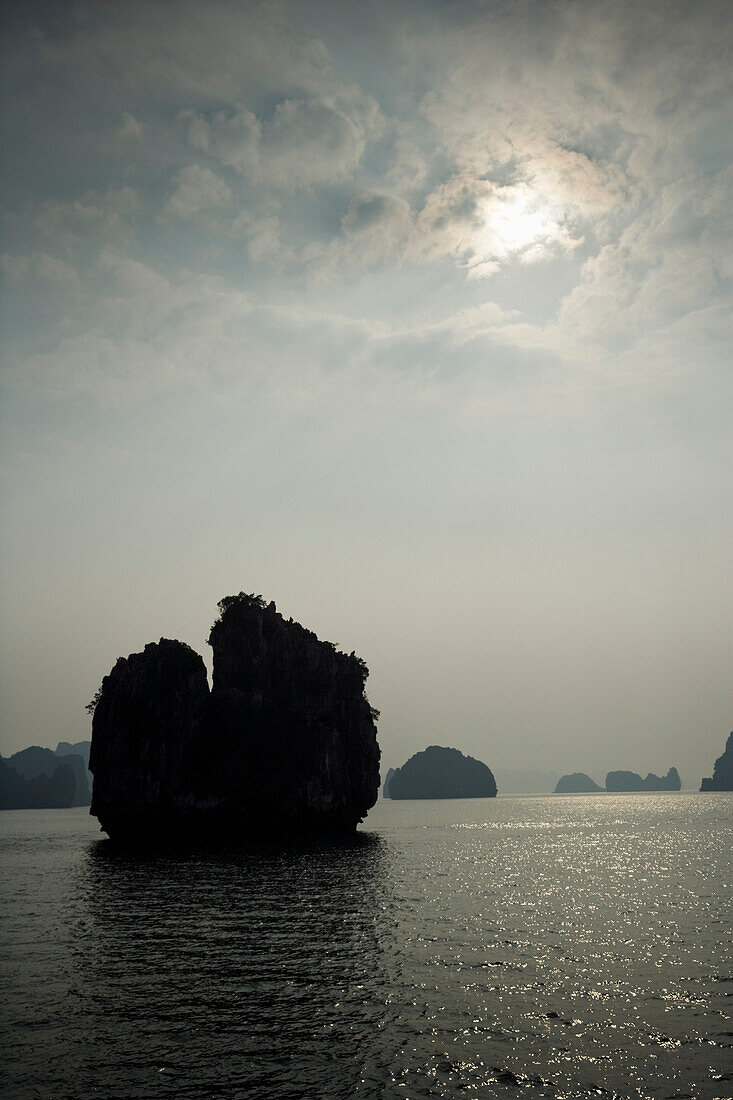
(284, 743)
(438, 772)
(79, 748)
(630, 781)
(618, 782)
(722, 777)
(387, 781)
(41, 779)
(577, 783)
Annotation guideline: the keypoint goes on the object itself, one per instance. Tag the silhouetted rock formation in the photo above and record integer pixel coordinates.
(39, 792)
(722, 777)
(148, 730)
(576, 783)
(669, 782)
(36, 763)
(442, 773)
(387, 781)
(79, 748)
(630, 781)
(82, 787)
(285, 742)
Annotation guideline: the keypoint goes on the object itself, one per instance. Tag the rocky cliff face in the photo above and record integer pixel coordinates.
(149, 724)
(630, 781)
(722, 777)
(439, 772)
(285, 741)
(577, 783)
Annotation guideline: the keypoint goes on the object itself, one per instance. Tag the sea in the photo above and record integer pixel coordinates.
(575, 946)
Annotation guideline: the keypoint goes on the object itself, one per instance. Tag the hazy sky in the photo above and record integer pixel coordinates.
(413, 317)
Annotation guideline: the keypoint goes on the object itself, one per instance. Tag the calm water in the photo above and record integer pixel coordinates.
(563, 947)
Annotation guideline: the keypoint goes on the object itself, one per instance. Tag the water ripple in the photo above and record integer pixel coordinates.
(547, 947)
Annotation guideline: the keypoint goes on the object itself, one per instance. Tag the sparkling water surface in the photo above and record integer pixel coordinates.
(562, 946)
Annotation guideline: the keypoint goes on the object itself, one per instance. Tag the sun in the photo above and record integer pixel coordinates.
(517, 223)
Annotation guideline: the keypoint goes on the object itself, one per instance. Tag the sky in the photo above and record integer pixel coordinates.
(414, 318)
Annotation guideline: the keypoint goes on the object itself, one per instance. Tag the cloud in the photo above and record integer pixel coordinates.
(482, 224)
(112, 212)
(653, 299)
(471, 220)
(95, 365)
(588, 186)
(316, 140)
(408, 168)
(305, 142)
(142, 333)
(137, 279)
(231, 137)
(56, 270)
(15, 267)
(213, 52)
(258, 91)
(196, 189)
(592, 105)
(375, 229)
(147, 332)
(475, 321)
(130, 127)
(606, 78)
(535, 176)
(570, 130)
(264, 241)
(42, 265)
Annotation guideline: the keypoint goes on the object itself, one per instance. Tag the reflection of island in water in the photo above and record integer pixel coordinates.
(232, 965)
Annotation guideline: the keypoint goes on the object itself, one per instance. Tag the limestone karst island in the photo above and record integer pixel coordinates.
(618, 782)
(285, 742)
(577, 783)
(37, 778)
(439, 772)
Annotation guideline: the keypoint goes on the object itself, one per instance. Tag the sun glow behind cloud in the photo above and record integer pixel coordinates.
(518, 227)
(519, 223)
(522, 222)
